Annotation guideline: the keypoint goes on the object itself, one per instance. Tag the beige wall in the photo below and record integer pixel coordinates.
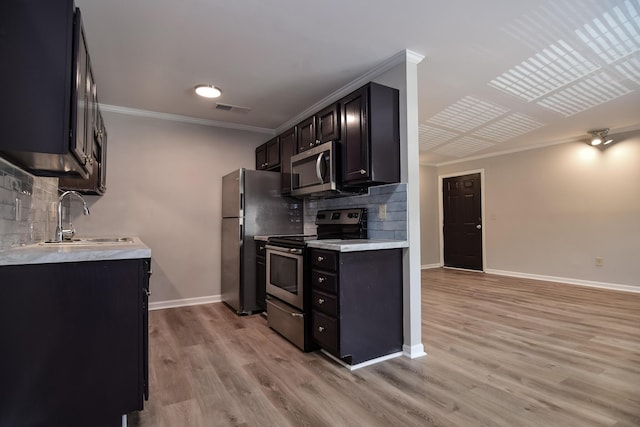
(163, 184)
(552, 211)
(430, 232)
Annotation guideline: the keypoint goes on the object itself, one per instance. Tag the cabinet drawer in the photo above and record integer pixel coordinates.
(325, 303)
(325, 331)
(326, 260)
(325, 282)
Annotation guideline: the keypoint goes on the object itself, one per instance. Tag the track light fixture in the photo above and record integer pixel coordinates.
(599, 138)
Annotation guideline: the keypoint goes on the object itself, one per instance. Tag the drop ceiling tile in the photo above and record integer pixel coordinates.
(630, 69)
(554, 67)
(588, 93)
(430, 137)
(508, 127)
(615, 34)
(466, 114)
(463, 147)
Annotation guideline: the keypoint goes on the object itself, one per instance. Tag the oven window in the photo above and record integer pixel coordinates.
(284, 273)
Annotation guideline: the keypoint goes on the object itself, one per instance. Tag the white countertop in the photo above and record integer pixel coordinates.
(50, 253)
(357, 244)
(266, 237)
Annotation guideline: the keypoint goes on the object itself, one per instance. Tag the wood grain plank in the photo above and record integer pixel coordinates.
(501, 351)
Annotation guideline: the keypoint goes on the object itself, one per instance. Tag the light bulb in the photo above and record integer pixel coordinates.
(208, 91)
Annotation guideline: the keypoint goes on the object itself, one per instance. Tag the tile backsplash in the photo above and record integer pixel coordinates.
(394, 196)
(27, 206)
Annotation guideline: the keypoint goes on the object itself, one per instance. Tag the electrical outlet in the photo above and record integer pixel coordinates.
(599, 261)
(382, 211)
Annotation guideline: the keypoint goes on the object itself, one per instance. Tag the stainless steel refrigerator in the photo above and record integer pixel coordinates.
(251, 206)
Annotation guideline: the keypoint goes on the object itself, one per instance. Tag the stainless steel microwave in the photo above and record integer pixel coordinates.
(315, 172)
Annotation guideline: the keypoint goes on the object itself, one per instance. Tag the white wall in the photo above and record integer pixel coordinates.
(552, 211)
(163, 184)
(429, 229)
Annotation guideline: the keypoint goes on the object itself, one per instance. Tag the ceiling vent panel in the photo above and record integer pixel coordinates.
(232, 108)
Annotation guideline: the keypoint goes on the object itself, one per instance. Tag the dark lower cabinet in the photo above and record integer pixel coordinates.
(74, 342)
(357, 303)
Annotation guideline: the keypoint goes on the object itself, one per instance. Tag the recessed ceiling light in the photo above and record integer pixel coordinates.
(208, 91)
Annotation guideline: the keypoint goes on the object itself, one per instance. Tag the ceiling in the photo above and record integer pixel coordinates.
(498, 75)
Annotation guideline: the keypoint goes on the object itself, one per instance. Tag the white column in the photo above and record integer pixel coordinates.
(410, 167)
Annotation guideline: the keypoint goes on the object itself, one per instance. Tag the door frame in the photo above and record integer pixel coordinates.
(482, 210)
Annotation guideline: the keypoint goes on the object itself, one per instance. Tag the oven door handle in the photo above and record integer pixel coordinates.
(318, 171)
(285, 250)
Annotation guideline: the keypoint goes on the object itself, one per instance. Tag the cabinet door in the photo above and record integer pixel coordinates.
(328, 126)
(306, 134)
(82, 81)
(288, 145)
(261, 157)
(355, 136)
(273, 154)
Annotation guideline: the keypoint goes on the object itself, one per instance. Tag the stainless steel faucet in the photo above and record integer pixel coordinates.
(68, 234)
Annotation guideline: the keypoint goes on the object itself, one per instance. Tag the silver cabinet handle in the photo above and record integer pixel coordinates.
(479, 226)
(363, 172)
(297, 315)
(320, 258)
(320, 301)
(321, 279)
(320, 328)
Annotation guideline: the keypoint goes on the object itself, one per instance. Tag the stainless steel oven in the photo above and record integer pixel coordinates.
(285, 274)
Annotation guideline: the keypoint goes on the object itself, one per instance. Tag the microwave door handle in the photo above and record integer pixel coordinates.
(318, 164)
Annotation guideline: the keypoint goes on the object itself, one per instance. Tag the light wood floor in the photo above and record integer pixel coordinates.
(501, 351)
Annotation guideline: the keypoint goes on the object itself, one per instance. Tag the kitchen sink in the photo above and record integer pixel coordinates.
(91, 241)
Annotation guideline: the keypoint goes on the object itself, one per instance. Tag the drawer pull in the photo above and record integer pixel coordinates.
(320, 301)
(320, 328)
(321, 279)
(320, 258)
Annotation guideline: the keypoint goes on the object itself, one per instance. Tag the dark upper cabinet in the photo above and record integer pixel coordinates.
(324, 126)
(287, 149)
(306, 134)
(328, 124)
(48, 91)
(96, 183)
(370, 136)
(268, 155)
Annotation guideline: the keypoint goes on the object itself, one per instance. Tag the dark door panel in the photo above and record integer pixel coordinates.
(462, 209)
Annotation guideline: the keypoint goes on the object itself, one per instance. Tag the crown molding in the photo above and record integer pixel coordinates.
(184, 119)
(399, 58)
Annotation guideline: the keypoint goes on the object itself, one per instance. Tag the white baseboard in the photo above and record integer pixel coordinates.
(570, 281)
(363, 364)
(413, 351)
(428, 266)
(184, 302)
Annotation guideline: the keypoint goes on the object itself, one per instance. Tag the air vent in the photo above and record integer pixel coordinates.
(232, 108)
